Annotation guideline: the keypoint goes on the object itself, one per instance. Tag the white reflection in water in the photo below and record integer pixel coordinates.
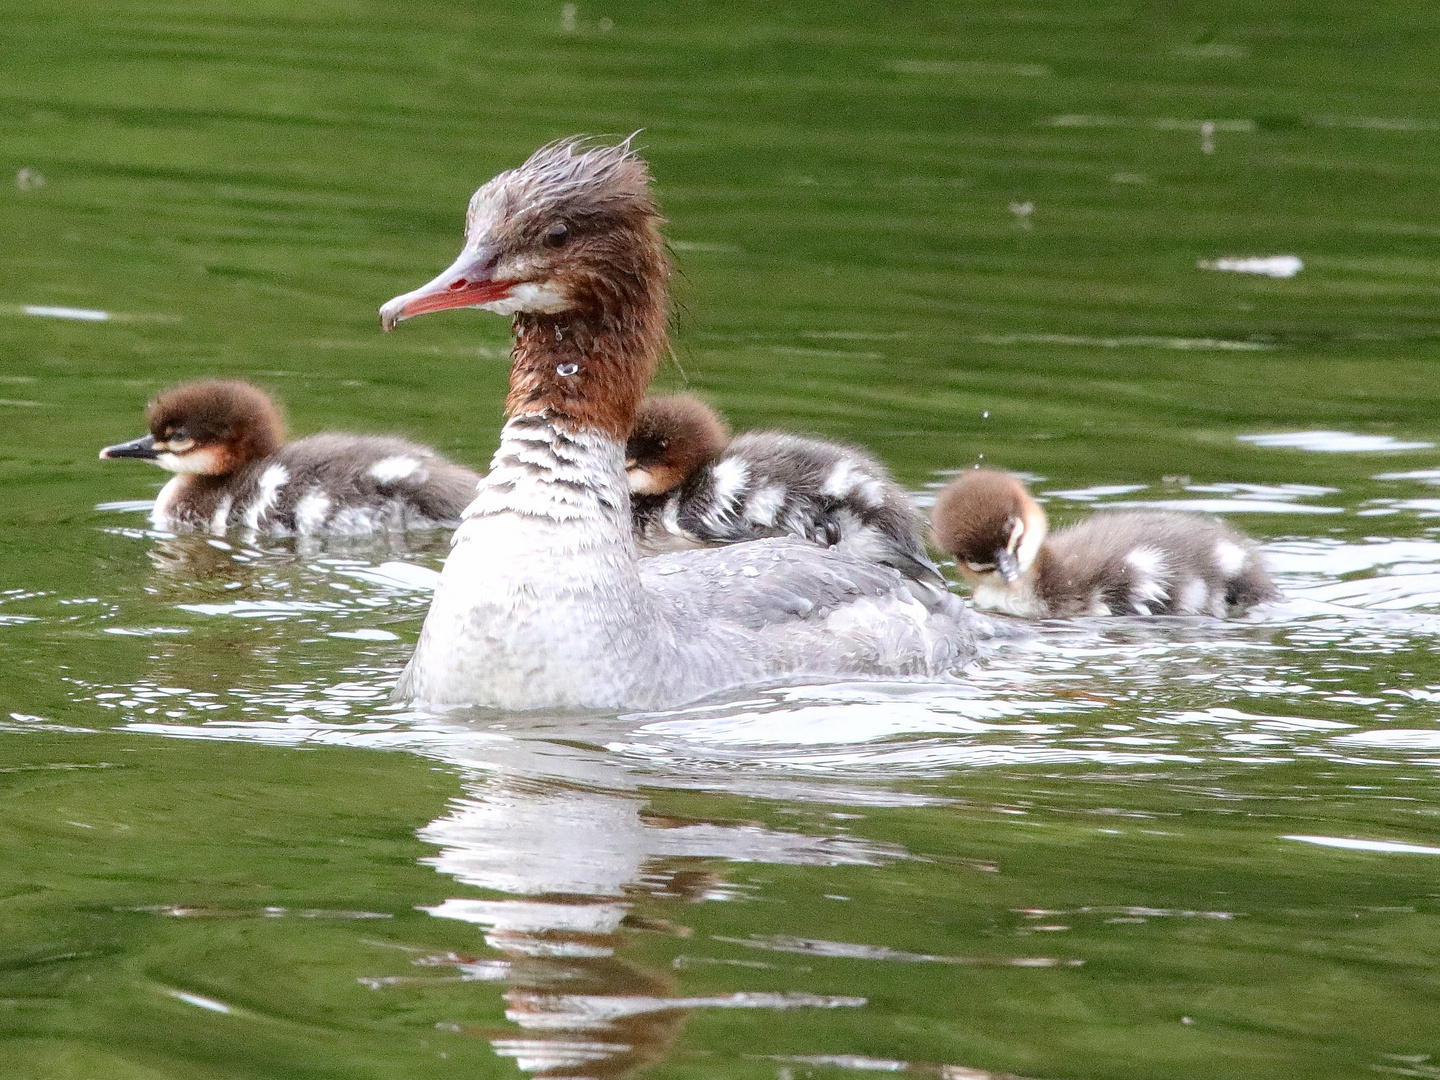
(574, 858)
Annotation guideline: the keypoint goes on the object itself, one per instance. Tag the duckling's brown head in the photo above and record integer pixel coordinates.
(990, 524)
(568, 243)
(208, 428)
(673, 436)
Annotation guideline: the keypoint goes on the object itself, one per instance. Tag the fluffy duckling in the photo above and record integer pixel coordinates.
(691, 486)
(225, 442)
(1148, 562)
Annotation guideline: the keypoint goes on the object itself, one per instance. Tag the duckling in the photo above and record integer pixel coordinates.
(691, 486)
(1148, 562)
(225, 442)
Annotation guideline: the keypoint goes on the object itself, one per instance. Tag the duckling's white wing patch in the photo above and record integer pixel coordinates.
(1147, 592)
(392, 469)
(221, 517)
(1194, 598)
(271, 481)
(731, 476)
(847, 480)
(1230, 557)
(764, 506)
(311, 512)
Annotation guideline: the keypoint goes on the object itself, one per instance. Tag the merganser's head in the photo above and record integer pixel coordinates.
(673, 437)
(991, 525)
(208, 428)
(573, 230)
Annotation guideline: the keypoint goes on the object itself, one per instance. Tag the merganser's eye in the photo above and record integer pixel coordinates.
(178, 444)
(557, 234)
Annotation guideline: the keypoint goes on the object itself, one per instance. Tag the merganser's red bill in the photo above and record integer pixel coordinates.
(468, 282)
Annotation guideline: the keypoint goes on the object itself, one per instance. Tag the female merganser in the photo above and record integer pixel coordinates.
(543, 602)
(690, 486)
(1148, 562)
(225, 442)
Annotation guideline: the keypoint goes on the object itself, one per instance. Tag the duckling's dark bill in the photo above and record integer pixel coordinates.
(143, 448)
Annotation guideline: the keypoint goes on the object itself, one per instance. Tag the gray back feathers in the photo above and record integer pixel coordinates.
(768, 484)
(1150, 563)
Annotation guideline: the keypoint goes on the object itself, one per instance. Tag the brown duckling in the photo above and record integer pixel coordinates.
(225, 442)
(1147, 562)
(691, 485)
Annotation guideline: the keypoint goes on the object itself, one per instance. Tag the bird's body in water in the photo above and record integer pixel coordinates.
(1147, 562)
(543, 602)
(691, 486)
(225, 442)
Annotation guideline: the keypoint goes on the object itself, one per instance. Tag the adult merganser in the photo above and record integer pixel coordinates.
(543, 602)
(690, 486)
(1147, 562)
(225, 442)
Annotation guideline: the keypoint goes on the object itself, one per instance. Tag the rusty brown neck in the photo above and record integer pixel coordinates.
(588, 370)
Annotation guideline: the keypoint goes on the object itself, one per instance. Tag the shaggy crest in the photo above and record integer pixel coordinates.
(569, 178)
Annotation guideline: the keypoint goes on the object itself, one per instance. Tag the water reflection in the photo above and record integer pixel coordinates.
(572, 860)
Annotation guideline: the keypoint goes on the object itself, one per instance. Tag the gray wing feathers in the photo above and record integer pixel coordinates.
(805, 608)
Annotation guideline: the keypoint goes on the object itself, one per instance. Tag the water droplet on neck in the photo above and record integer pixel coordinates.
(566, 370)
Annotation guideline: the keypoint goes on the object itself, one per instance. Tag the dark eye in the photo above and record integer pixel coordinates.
(557, 234)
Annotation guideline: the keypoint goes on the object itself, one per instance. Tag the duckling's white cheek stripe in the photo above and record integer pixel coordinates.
(271, 481)
(195, 462)
(1029, 546)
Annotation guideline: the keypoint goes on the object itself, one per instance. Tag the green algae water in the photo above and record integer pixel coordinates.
(952, 233)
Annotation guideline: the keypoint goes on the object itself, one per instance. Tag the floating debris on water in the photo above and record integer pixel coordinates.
(1022, 212)
(29, 179)
(1275, 266)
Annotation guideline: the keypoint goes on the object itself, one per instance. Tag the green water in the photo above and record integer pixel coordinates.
(223, 856)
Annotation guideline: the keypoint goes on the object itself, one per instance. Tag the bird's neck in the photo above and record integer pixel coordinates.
(587, 371)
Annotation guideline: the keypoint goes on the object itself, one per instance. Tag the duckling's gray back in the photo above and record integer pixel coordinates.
(768, 483)
(342, 485)
(1151, 563)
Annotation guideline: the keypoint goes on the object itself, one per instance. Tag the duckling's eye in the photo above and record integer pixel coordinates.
(557, 235)
(178, 444)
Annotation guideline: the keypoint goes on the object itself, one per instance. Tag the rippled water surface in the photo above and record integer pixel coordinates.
(1109, 848)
